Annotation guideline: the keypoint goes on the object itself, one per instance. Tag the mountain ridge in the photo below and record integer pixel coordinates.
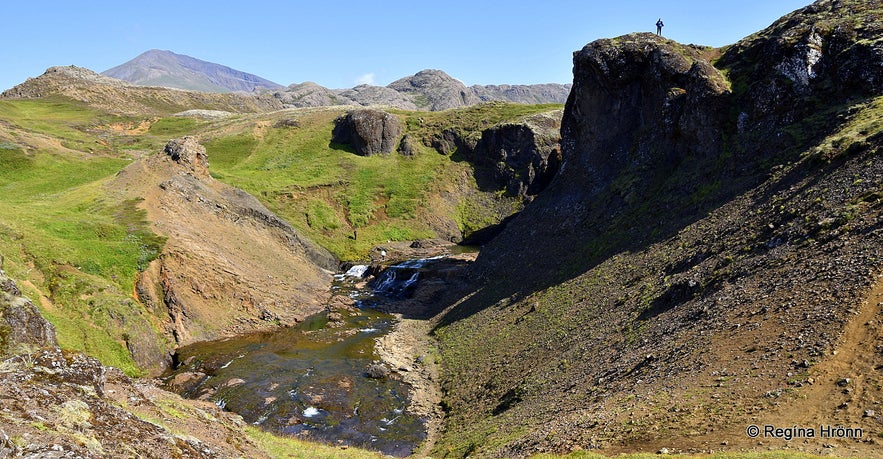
(427, 89)
(167, 69)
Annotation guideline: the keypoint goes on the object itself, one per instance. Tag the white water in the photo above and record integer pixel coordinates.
(419, 263)
(356, 271)
(387, 281)
(411, 281)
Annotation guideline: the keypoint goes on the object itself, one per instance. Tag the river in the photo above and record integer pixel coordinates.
(313, 380)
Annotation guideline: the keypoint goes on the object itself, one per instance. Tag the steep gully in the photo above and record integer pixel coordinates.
(334, 377)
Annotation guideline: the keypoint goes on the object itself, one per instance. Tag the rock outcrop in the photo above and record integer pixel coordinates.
(807, 63)
(188, 152)
(522, 157)
(22, 325)
(368, 131)
(640, 103)
(524, 93)
(308, 94)
(368, 95)
(229, 265)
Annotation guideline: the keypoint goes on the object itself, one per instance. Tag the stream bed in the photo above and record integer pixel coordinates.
(312, 380)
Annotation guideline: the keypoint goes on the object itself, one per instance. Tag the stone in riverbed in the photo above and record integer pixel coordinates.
(376, 370)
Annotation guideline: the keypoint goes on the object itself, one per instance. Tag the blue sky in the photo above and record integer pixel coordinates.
(341, 43)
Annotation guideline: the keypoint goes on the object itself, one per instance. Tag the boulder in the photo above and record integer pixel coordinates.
(368, 131)
(21, 322)
(406, 146)
(188, 152)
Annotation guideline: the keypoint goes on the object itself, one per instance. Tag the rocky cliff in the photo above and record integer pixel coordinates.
(710, 242)
(519, 157)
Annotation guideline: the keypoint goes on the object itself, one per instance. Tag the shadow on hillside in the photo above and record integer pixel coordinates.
(535, 253)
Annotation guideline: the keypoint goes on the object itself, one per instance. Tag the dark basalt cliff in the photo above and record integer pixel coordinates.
(715, 223)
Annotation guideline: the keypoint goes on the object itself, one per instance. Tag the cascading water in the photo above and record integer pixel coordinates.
(311, 380)
(399, 280)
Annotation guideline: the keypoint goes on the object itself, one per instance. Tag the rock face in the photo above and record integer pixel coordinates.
(523, 156)
(704, 222)
(370, 132)
(22, 323)
(640, 103)
(804, 62)
(188, 152)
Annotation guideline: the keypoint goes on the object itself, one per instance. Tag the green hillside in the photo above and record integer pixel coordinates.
(67, 233)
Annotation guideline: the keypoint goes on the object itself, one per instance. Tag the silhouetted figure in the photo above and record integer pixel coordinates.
(659, 25)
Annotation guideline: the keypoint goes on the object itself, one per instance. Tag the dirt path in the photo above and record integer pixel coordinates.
(845, 388)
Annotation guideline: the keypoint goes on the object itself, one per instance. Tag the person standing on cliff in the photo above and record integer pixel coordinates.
(659, 25)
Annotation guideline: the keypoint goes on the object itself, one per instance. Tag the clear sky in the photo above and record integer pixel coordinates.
(341, 43)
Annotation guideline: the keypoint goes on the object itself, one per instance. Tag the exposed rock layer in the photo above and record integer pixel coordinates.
(229, 264)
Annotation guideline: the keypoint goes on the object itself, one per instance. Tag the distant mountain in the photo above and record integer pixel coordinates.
(120, 97)
(167, 69)
(435, 90)
(426, 90)
(524, 93)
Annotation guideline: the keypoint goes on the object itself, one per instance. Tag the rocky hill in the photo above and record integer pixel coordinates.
(170, 70)
(221, 269)
(708, 257)
(426, 90)
(161, 82)
(523, 94)
(118, 97)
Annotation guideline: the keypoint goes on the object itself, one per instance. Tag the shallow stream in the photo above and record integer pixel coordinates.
(311, 380)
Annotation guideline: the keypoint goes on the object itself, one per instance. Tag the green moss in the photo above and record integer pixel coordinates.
(285, 447)
(174, 126)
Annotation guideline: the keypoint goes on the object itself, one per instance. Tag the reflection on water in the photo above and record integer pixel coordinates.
(310, 380)
(307, 381)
